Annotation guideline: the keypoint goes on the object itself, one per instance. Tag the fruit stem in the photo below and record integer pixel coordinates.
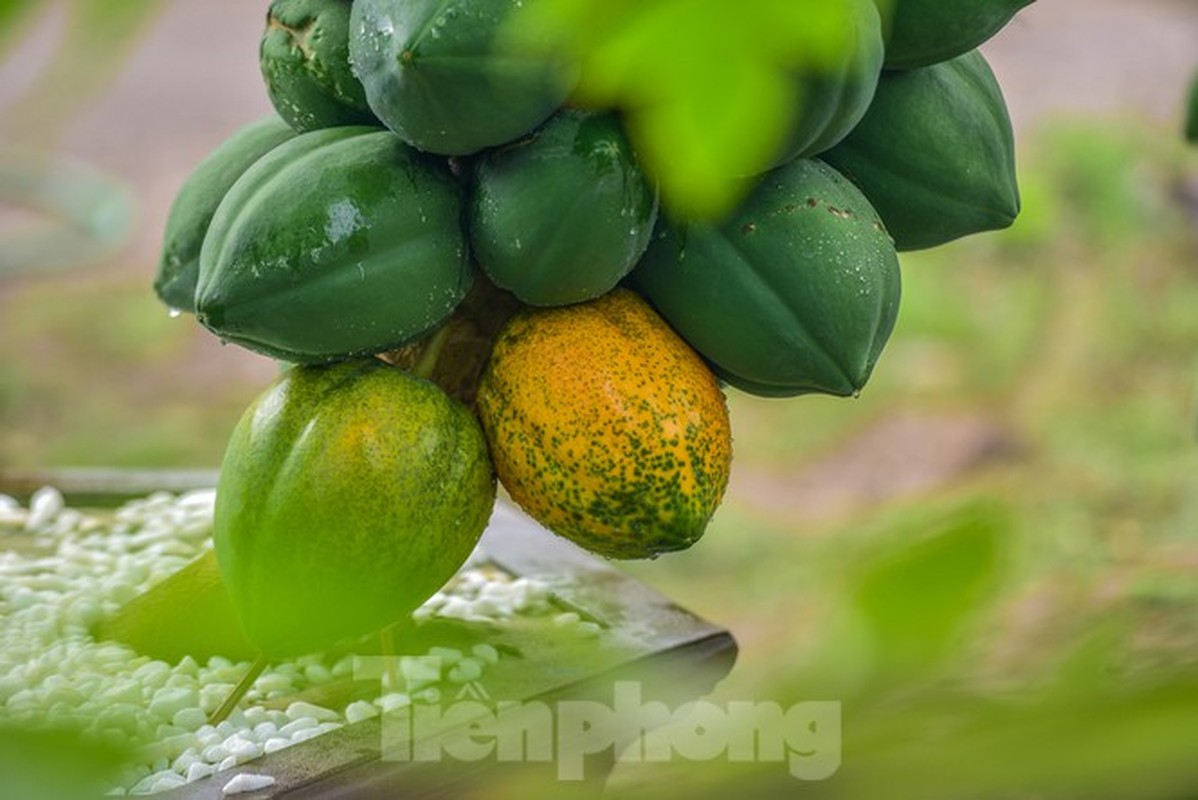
(243, 686)
(431, 353)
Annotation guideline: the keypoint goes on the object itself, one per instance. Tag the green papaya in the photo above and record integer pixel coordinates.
(341, 242)
(196, 203)
(924, 32)
(832, 101)
(436, 74)
(797, 292)
(562, 215)
(304, 57)
(347, 496)
(935, 153)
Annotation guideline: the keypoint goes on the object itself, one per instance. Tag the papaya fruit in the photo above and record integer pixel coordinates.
(561, 216)
(197, 201)
(606, 427)
(348, 494)
(924, 32)
(304, 58)
(832, 100)
(436, 74)
(343, 241)
(935, 153)
(797, 292)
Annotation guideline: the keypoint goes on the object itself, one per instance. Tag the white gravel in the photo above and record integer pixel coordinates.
(53, 671)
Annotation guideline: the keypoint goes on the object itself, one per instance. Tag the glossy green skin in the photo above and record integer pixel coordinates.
(348, 495)
(561, 216)
(923, 32)
(832, 103)
(796, 293)
(935, 154)
(432, 73)
(344, 241)
(197, 201)
(304, 57)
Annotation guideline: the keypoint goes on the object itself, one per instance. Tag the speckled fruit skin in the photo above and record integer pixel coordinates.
(339, 242)
(606, 427)
(304, 57)
(347, 496)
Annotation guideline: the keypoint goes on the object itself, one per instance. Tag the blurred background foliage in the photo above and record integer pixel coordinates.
(991, 557)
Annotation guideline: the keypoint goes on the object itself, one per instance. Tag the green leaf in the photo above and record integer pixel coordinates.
(917, 600)
(707, 87)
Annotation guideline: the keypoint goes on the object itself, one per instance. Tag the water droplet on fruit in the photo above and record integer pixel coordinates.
(174, 312)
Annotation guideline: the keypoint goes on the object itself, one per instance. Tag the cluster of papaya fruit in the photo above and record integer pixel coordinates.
(432, 200)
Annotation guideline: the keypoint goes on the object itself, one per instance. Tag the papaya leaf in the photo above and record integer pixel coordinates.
(706, 87)
(916, 601)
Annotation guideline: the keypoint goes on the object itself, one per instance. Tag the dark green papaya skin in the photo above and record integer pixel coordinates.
(924, 32)
(348, 494)
(434, 75)
(562, 215)
(342, 242)
(1191, 124)
(197, 201)
(935, 154)
(832, 103)
(304, 57)
(796, 293)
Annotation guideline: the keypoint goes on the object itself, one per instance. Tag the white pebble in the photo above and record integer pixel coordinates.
(200, 770)
(392, 701)
(246, 782)
(359, 710)
(216, 753)
(305, 734)
(300, 709)
(587, 630)
(566, 619)
(189, 719)
(455, 608)
(227, 763)
(43, 507)
(448, 655)
(486, 652)
(274, 744)
(297, 725)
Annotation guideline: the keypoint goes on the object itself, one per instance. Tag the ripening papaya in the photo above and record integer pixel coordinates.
(924, 32)
(935, 153)
(348, 495)
(304, 57)
(197, 201)
(796, 292)
(436, 74)
(563, 214)
(341, 242)
(606, 427)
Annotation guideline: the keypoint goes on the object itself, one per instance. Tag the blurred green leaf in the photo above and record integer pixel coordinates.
(707, 87)
(55, 763)
(917, 600)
